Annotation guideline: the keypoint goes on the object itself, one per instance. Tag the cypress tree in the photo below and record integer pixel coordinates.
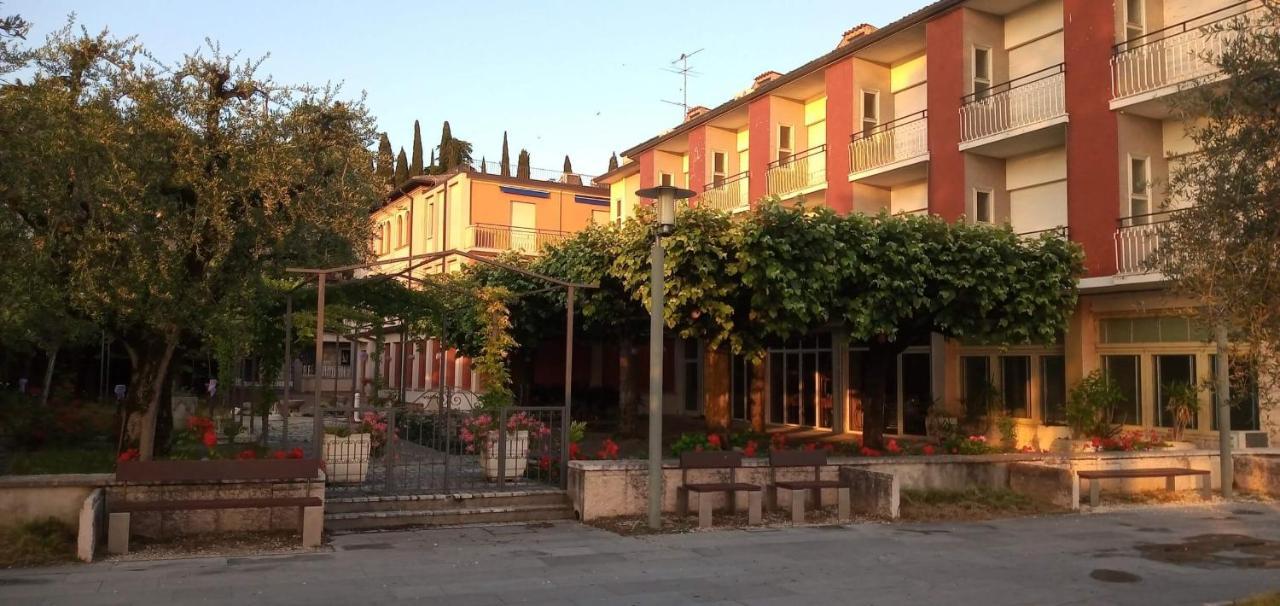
(415, 167)
(568, 166)
(613, 162)
(522, 165)
(569, 176)
(446, 147)
(385, 167)
(483, 169)
(402, 169)
(506, 157)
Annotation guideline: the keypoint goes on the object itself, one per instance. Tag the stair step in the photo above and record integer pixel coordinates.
(446, 517)
(439, 502)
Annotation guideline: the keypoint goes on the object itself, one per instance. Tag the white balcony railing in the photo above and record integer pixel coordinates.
(1025, 101)
(506, 237)
(1174, 55)
(798, 172)
(327, 371)
(889, 143)
(1137, 238)
(728, 194)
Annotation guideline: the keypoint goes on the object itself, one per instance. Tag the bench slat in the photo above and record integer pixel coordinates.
(807, 484)
(204, 504)
(1158, 472)
(725, 487)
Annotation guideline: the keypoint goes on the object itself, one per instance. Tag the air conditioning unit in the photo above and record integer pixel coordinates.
(1245, 440)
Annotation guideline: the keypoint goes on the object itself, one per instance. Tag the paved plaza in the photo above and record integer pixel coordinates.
(1155, 555)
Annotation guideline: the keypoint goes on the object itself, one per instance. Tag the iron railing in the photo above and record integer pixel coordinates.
(1061, 231)
(1024, 101)
(914, 211)
(797, 172)
(895, 141)
(729, 194)
(1175, 54)
(328, 371)
(507, 237)
(1137, 237)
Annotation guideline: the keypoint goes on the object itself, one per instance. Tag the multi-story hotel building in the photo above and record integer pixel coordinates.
(1047, 115)
(469, 212)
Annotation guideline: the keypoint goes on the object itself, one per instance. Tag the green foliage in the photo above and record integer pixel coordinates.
(36, 543)
(1182, 402)
(505, 164)
(415, 165)
(613, 162)
(402, 169)
(1008, 428)
(522, 165)
(385, 162)
(689, 442)
(455, 154)
(68, 459)
(1091, 407)
(577, 431)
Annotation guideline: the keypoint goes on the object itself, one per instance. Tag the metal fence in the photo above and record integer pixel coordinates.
(729, 193)
(1024, 101)
(901, 139)
(507, 237)
(1175, 54)
(797, 172)
(1137, 237)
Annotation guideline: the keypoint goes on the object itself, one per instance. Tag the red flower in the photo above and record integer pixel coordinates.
(869, 452)
(128, 455)
(544, 462)
(608, 450)
(750, 449)
(713, 441)
(893, 447)
(279, 454)
(575, 451)
(830, 448)
(778, 441)
(209, 438)
(928, 449)
(296, 453)
(247, 454)
(810, 447)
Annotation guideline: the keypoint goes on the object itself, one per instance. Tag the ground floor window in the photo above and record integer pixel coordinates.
(1015, 385)
(1022, 385)
(1126, 373)
(1172, 372)
(1243, 395)
(1053, 390)
(800, 382)
(740, 372)
(908, 392)
(692, 384)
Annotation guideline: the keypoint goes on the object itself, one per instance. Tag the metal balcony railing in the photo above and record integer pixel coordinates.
(797, 172)
(1060, 231)
(888, 143)
(1024, 101)
(728, 194)
(327, 371)
(1176, 54)
(506, 237)
(1137, 237)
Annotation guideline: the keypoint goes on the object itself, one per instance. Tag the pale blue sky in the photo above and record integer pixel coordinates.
(579, 78)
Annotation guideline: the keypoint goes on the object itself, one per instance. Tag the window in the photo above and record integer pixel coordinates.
(981, 72)
(399, 230)
(740, 369)
(692, 387)
(599, 217)
(719, 168)
(1172, 373)
(982, 211)
(977, 391)
(1244, 394)
(386, 236)
(1015, 385)
(785, 143)
(870, 110)
(1053, 390)
(666, 179)
(1124, 372)
(1164, 329)
(1139, 192)
(1134, 19)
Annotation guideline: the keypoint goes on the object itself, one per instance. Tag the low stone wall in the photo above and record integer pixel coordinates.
(1258, 473)
(92, 526)
(1190, 459)
(37, 497)
(162, 524)
(1046, 483)
(871, 492)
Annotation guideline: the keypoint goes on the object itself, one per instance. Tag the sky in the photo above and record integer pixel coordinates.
(584, 79)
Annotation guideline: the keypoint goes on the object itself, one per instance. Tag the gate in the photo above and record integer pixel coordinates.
(442, 445)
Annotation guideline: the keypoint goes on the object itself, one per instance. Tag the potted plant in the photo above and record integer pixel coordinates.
(1182, 402)
(347, 448)
(1090, 412)
(480, 432)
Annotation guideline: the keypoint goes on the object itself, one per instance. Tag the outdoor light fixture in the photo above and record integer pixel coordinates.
(666, 197)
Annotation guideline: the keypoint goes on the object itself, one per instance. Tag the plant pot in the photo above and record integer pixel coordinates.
(517, 455)
(346, 458)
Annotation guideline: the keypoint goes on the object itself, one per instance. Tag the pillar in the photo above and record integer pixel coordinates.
(944, 41)
(840, 126)
(760, 142)
(715, 407)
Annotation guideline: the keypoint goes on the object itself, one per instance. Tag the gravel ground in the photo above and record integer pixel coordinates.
(210, 545)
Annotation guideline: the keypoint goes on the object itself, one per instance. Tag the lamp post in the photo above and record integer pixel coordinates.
(666, 197)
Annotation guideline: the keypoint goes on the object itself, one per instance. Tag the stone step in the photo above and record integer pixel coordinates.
(474, 516)
(440, 502)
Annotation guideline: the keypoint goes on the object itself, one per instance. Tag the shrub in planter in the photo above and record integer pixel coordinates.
(480, 433)
(1183, 404)
(1091, 407)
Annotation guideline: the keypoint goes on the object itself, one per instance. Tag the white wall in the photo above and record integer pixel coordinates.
(1037, 185)
(912, 196)
(1033, 37)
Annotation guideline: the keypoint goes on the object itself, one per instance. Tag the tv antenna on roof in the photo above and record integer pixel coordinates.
(684, 71)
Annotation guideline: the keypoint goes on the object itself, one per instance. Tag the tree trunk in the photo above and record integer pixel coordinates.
(628, 398)
(51, 358)
(147, 384)
(880, 356)
(715, 406)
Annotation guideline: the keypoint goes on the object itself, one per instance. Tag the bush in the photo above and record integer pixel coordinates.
(1091, 407)
(62, 460)
(36, 543)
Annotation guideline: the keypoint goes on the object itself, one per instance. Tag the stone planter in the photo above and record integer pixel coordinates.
(1171, 445)
(346, 459)
(517, 455)
(1068, 446)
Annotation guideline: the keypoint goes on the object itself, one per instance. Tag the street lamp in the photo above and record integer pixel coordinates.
(666, 197)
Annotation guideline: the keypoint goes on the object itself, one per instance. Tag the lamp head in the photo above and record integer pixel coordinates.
(665, 197)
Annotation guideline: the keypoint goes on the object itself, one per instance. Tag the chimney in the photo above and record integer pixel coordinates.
(764, 79)
(694, 112)
(855, 33)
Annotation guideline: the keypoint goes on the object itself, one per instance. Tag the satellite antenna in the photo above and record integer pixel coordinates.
(684, 71)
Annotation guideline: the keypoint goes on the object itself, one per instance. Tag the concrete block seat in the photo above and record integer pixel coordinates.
(725, 462)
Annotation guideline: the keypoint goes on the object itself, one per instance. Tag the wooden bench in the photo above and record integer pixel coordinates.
(149, 473)
(1095, 477)
(728, 461)
(799, 458)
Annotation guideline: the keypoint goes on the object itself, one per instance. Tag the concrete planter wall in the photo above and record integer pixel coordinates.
(516, 451)
(164, 524)
(346, 458)
(1258, 473)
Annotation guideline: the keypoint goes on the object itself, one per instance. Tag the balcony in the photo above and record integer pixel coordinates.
(1022, 115)
(798, 174)
(1171, 59)
(729, 194)
(497, 238)
(1137, 238)
(1060, 232)
(891, 153)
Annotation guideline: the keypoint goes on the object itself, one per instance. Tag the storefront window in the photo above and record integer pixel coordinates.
(1053, 390)
(1015, 385)
(1124, 372)
(1244, 395)
(1172, 373)
(977, 390)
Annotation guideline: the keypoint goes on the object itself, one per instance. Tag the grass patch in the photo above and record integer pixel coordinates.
(61, 460)
(1262, 599)
(36, 543)
(973, 504)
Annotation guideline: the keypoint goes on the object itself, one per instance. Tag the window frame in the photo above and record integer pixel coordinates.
(874, 118)
(974, 78)
(991, 205)
(789, 149)
(665, 178)
(1144, 195)
(718, 177)
(1130, 25)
